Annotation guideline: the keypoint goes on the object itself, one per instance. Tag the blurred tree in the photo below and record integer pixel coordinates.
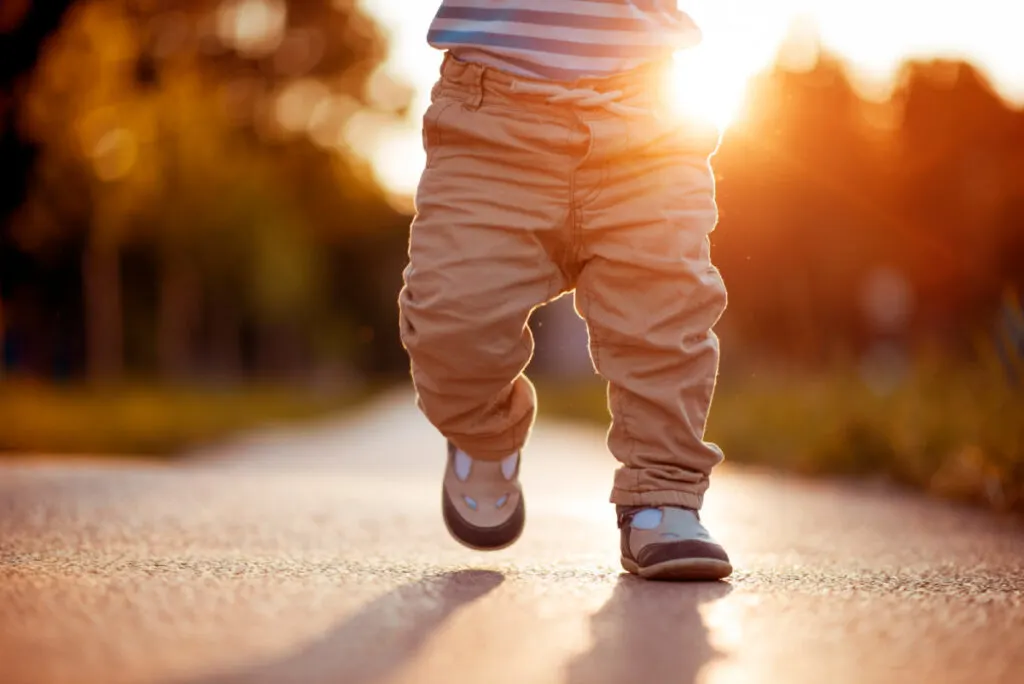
(800, 191)
(215, 132)
(958, 169)
(82, 112)
(847, 222)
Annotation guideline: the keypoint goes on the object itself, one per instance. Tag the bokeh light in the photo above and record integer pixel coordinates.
(114, 154)
(298, 101)
(252, 27)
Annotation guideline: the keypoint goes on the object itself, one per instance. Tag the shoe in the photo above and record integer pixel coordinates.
(482, 501)
(669, 543)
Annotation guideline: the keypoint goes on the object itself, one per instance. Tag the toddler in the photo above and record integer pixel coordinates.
(554, 164)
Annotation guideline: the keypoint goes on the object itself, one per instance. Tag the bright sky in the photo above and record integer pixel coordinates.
(742, 37)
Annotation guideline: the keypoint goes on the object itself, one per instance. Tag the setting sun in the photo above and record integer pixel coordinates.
(706, 87)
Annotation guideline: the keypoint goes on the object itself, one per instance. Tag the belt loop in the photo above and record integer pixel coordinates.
(479, 73)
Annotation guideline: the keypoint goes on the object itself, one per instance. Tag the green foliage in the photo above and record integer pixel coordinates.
(147, 420)
(953, 431)
(285, 270)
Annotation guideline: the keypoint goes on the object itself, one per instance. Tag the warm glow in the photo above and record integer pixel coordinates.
(253, 27)
(741, 38)
(709, 87)
(399, 160)
(115, 154)
(327, 120)
(709, 82)
(297, 103)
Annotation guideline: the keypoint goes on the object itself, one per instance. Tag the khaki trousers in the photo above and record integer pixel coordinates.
(532, 190)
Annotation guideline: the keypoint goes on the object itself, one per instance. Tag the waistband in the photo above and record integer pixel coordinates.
(639, 89)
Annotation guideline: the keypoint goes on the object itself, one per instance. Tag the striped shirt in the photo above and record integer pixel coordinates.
(562, 40)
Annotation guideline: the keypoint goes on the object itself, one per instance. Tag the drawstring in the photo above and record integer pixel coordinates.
(584, 97)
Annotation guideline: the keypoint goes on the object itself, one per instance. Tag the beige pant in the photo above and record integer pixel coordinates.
(525, 197)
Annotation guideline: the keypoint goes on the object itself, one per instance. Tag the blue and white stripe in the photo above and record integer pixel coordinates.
(562, 40)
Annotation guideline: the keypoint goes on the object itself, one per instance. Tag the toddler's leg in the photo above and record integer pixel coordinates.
(650, 296)
(490, 207)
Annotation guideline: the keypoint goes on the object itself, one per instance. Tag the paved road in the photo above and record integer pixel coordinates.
(320, 556)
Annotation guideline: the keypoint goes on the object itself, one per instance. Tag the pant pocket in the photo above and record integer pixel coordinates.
(432, 139)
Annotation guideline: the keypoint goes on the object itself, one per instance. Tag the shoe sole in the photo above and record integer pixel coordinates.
(476, 547)
(682, 569)
(473, 547)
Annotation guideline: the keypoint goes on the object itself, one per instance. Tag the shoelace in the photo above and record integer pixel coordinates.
(584, 97)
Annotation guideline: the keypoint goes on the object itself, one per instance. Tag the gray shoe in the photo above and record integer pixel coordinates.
(482, 501)
(670, 543)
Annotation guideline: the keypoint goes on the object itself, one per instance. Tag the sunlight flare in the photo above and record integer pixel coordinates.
(707, 85)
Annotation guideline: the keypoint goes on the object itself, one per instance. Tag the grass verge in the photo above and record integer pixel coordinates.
(148, 420)
(954, 433)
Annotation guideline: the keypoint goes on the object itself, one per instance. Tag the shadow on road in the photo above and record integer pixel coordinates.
(370, 645)
(648, 632)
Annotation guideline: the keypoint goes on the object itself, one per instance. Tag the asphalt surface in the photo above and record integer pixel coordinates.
(320, 556)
